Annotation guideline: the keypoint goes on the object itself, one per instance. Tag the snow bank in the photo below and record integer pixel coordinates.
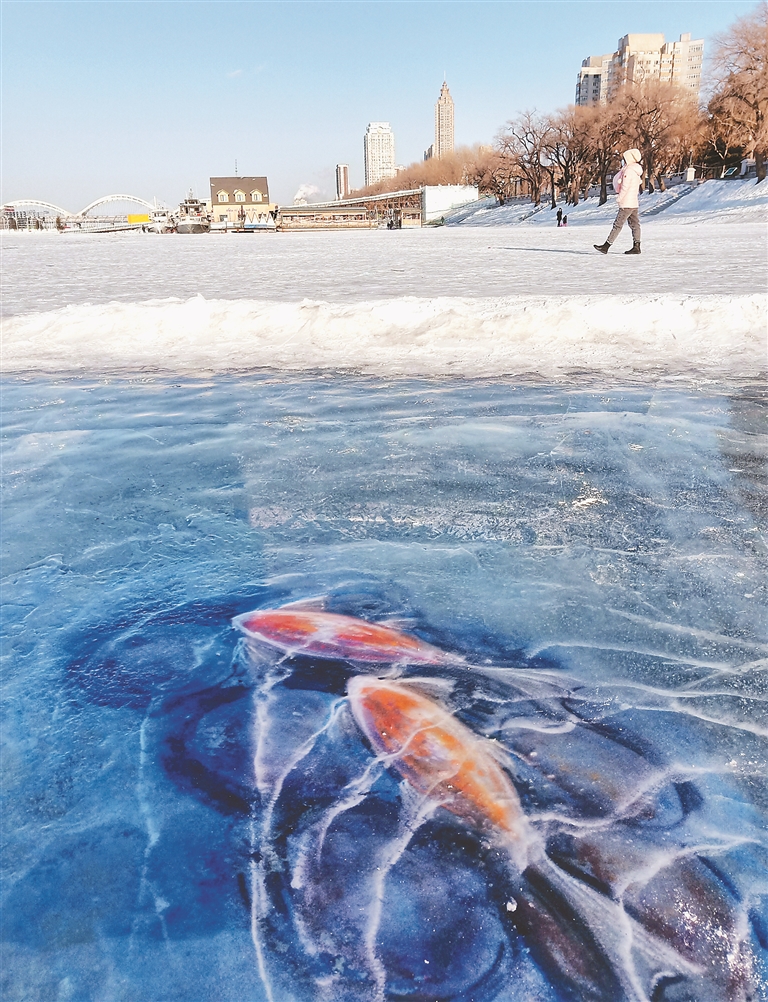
(712, 200)
(619, 335)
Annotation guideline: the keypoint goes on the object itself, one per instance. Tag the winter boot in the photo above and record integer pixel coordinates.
(635, 248)
(603, 248)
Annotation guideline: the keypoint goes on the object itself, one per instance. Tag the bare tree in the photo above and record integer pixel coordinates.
(494, 173)
(722, 139)
(605, 125)
(660, 119)
(449, 169)
(741, 68)
(525, 142)
(569, 148)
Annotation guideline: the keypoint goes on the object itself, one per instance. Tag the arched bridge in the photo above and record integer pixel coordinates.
(105, 199)
(56, 210)
(36, 204)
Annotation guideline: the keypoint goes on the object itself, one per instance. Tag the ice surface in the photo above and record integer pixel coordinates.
(451, 301)
(188, 819)
(596, 554)
(47, 271)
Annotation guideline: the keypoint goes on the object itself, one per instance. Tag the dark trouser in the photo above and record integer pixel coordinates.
(634, 224)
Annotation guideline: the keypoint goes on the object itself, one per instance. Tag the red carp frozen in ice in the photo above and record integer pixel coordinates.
(315, 633)
(584, 940)
(440, 757)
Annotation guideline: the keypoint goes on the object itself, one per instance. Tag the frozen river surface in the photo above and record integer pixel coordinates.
(49, 271)
(575, 569)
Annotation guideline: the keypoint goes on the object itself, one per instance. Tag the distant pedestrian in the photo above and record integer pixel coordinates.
(565, 220)
(559, 216)
(627, 186)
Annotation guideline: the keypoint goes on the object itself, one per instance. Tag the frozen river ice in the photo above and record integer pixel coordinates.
(190, 819)
(43, 272)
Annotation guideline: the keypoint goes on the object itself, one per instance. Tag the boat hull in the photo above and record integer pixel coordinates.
(193, 226)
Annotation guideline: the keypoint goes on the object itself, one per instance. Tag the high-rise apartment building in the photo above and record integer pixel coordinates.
(443, 123)
(681, 62)
(641, 57)
(379, 152)
(592, 81)
(342, 180)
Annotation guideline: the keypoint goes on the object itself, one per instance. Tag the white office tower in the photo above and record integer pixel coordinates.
(342, 180)
(443, 123)
(379, 152)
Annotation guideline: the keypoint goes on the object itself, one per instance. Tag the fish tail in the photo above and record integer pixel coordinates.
(562, 941)
(586, 942)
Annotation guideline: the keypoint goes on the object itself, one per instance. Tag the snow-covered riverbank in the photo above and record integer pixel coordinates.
(462, 300)
(711, 201)
(619, 336)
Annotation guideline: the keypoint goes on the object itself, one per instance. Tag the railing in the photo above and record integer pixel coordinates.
(29, 222)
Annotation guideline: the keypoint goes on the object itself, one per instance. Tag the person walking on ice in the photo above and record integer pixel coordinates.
(627, 186)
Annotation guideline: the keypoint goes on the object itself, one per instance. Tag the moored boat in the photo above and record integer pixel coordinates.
(192, 216)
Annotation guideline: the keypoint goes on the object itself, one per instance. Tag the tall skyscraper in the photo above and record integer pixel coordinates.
(342, 180)
(443, 123)
(379, 152)
(637, 58)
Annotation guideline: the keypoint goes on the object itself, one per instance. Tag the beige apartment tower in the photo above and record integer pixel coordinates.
(640, 57)
(592, 81)
(443, 123)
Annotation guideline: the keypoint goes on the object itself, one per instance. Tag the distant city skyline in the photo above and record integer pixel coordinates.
(110, 99)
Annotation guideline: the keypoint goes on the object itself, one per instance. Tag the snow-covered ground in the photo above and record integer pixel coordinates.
(624, 336)
(476, 300)
(686, 203)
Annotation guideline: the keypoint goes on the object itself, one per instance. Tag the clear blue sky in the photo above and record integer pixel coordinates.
(151, 98)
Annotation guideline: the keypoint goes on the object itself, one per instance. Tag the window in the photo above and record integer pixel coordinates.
(239, 196)
(223, 196)
(256, 196)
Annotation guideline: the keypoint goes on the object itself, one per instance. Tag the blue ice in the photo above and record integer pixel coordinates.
(186, 821)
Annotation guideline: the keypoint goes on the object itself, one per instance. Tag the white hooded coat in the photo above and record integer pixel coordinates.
(627, 182)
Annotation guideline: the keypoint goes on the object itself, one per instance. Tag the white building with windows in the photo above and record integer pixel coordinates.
(681, 62)
(592, 81)
(641, 57)
(379, 152)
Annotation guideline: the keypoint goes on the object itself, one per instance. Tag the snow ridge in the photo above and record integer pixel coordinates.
(554, 336)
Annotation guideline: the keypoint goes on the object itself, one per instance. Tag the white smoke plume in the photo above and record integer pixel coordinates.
(305, 194)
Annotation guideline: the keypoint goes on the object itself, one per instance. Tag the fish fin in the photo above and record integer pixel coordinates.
(316, 603)
(501, 754)
(404, 623)
(417, 807)
(429, 686)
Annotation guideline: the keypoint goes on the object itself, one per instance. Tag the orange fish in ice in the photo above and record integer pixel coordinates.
(334, 637)
(440, 757)
(569, 926)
